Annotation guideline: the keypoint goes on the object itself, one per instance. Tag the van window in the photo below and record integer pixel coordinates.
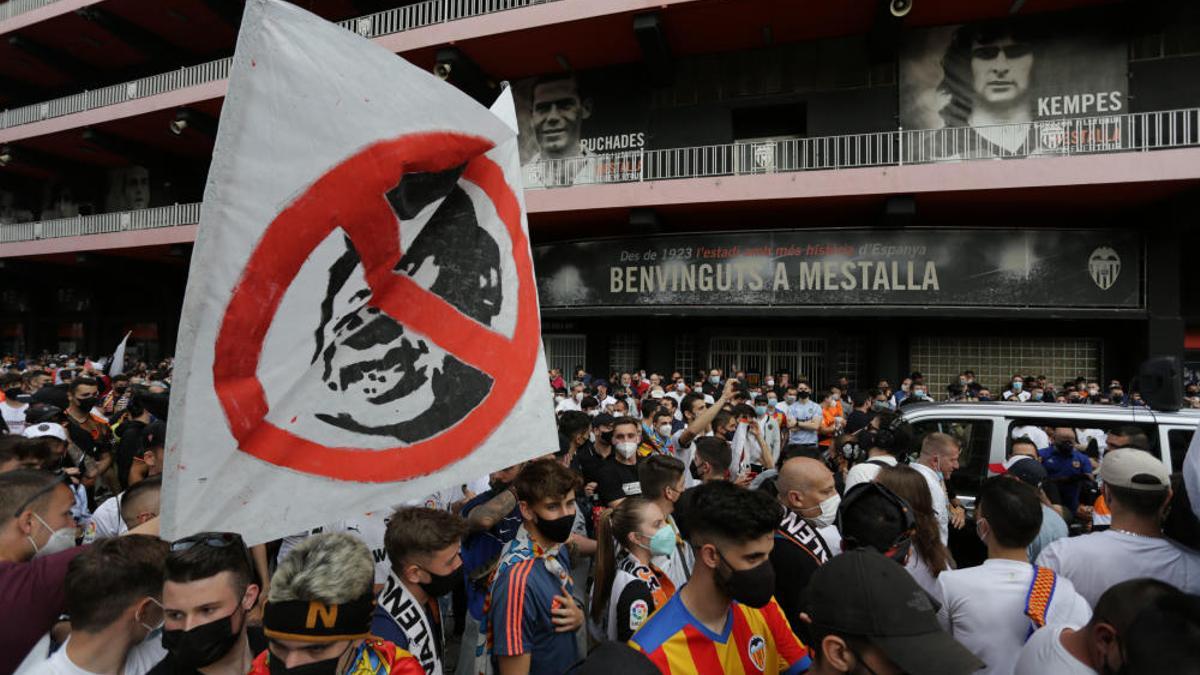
(975, 438)
(1087, 431)
(1179, 440)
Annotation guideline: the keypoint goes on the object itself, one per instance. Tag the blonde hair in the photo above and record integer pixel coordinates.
(333, 568)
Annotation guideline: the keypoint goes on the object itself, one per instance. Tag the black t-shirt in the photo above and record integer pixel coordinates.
(590, 462)
(799, 551)
(616, 481)
(168, 666)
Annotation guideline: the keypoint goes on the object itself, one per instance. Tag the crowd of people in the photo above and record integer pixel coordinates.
(716, 524)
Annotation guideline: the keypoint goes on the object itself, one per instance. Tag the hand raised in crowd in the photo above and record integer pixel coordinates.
(744, 479)
(567, 615)
(590, 489)
(730, 389)
(958, 517)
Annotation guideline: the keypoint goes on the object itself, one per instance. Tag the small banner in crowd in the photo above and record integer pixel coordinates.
(361, 320)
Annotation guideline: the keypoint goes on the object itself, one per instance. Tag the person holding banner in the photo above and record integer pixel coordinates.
(318, 614)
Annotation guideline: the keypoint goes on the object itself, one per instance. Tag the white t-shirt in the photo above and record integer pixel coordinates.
(1035, 434)
(568, 403)
(1045, 653)
(683, 454)
(106, 522)
(138, 661)
(922, 573)
(941, 503)
(866, 471)
(1098, 561)
(370, 528)
(983, 607)
(14, 418)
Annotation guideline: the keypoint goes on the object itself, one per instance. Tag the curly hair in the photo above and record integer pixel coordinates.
(333, 567)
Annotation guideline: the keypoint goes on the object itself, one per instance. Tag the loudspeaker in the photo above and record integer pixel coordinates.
(1160, 382)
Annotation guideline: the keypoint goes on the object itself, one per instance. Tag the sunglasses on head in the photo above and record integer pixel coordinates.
(210, 539)
(989, 52)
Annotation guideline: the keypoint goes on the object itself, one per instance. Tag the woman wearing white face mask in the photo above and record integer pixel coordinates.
(629, 587)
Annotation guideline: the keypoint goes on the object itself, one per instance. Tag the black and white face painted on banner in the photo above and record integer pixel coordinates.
(370, 374)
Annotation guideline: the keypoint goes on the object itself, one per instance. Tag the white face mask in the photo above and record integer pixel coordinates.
(59, 541)
(579, 396)
(679, 386)
(626, 450)
(664, 429)
(829, 509)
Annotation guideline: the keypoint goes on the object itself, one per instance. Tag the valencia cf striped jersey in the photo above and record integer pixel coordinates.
(754, 641)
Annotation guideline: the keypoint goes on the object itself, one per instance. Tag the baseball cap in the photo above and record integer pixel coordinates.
(862, 593)
(46, 430)
(43, 412)
(603, 420)
(1028, 470)
(1134, 469)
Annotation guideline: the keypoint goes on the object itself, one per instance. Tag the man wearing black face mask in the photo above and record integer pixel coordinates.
(13, 408)
(532, 613)
(423, 546)
(731, 533)
(208, 590)
(87, 429)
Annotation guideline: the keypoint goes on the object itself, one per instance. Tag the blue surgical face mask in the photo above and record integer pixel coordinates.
(715, 379)
(760, 410)
(1018, 386)
(663, 542)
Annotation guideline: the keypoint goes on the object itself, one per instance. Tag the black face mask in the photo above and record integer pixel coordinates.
(729, 435)
(695, 471)
(557, 530)
(753, 587)
(441, 584)
(327, 667)
(85, 404)
(802, 395)
(202, 645)
(12, 393)
(1064, 448)
(606, 437)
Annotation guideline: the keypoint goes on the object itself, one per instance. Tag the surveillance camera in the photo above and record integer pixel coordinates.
(900, 8)
(442, 70)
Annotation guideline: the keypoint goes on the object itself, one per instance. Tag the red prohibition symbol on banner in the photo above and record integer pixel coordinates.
(351, 196)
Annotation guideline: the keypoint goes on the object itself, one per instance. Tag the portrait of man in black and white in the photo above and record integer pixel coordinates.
(379, 378)
(557, 110)
(1006, 88)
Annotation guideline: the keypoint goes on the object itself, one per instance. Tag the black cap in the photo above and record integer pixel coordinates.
(614, 657)
(603, 420)
(1028, 470)
(862, 593)
(43, 412)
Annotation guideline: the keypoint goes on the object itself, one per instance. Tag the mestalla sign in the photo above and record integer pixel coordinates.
(1069, 269)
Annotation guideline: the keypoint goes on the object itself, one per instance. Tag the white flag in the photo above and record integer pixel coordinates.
(117, 365)
(361, 323)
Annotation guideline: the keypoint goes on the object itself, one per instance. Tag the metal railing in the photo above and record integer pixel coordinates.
(1136, 132)
(382, 23)
(1050, 138)
(14, 7)
(102, 223)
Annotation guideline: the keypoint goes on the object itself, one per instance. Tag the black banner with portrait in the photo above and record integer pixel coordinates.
(1009, 84)
(596, 119)
(964, 268)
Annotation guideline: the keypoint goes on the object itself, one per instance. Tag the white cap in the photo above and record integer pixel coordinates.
(46, 429)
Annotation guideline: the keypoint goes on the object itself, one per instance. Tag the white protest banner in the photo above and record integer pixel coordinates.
(361, 323)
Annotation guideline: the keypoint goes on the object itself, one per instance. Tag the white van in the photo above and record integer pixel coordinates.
(984, 430)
